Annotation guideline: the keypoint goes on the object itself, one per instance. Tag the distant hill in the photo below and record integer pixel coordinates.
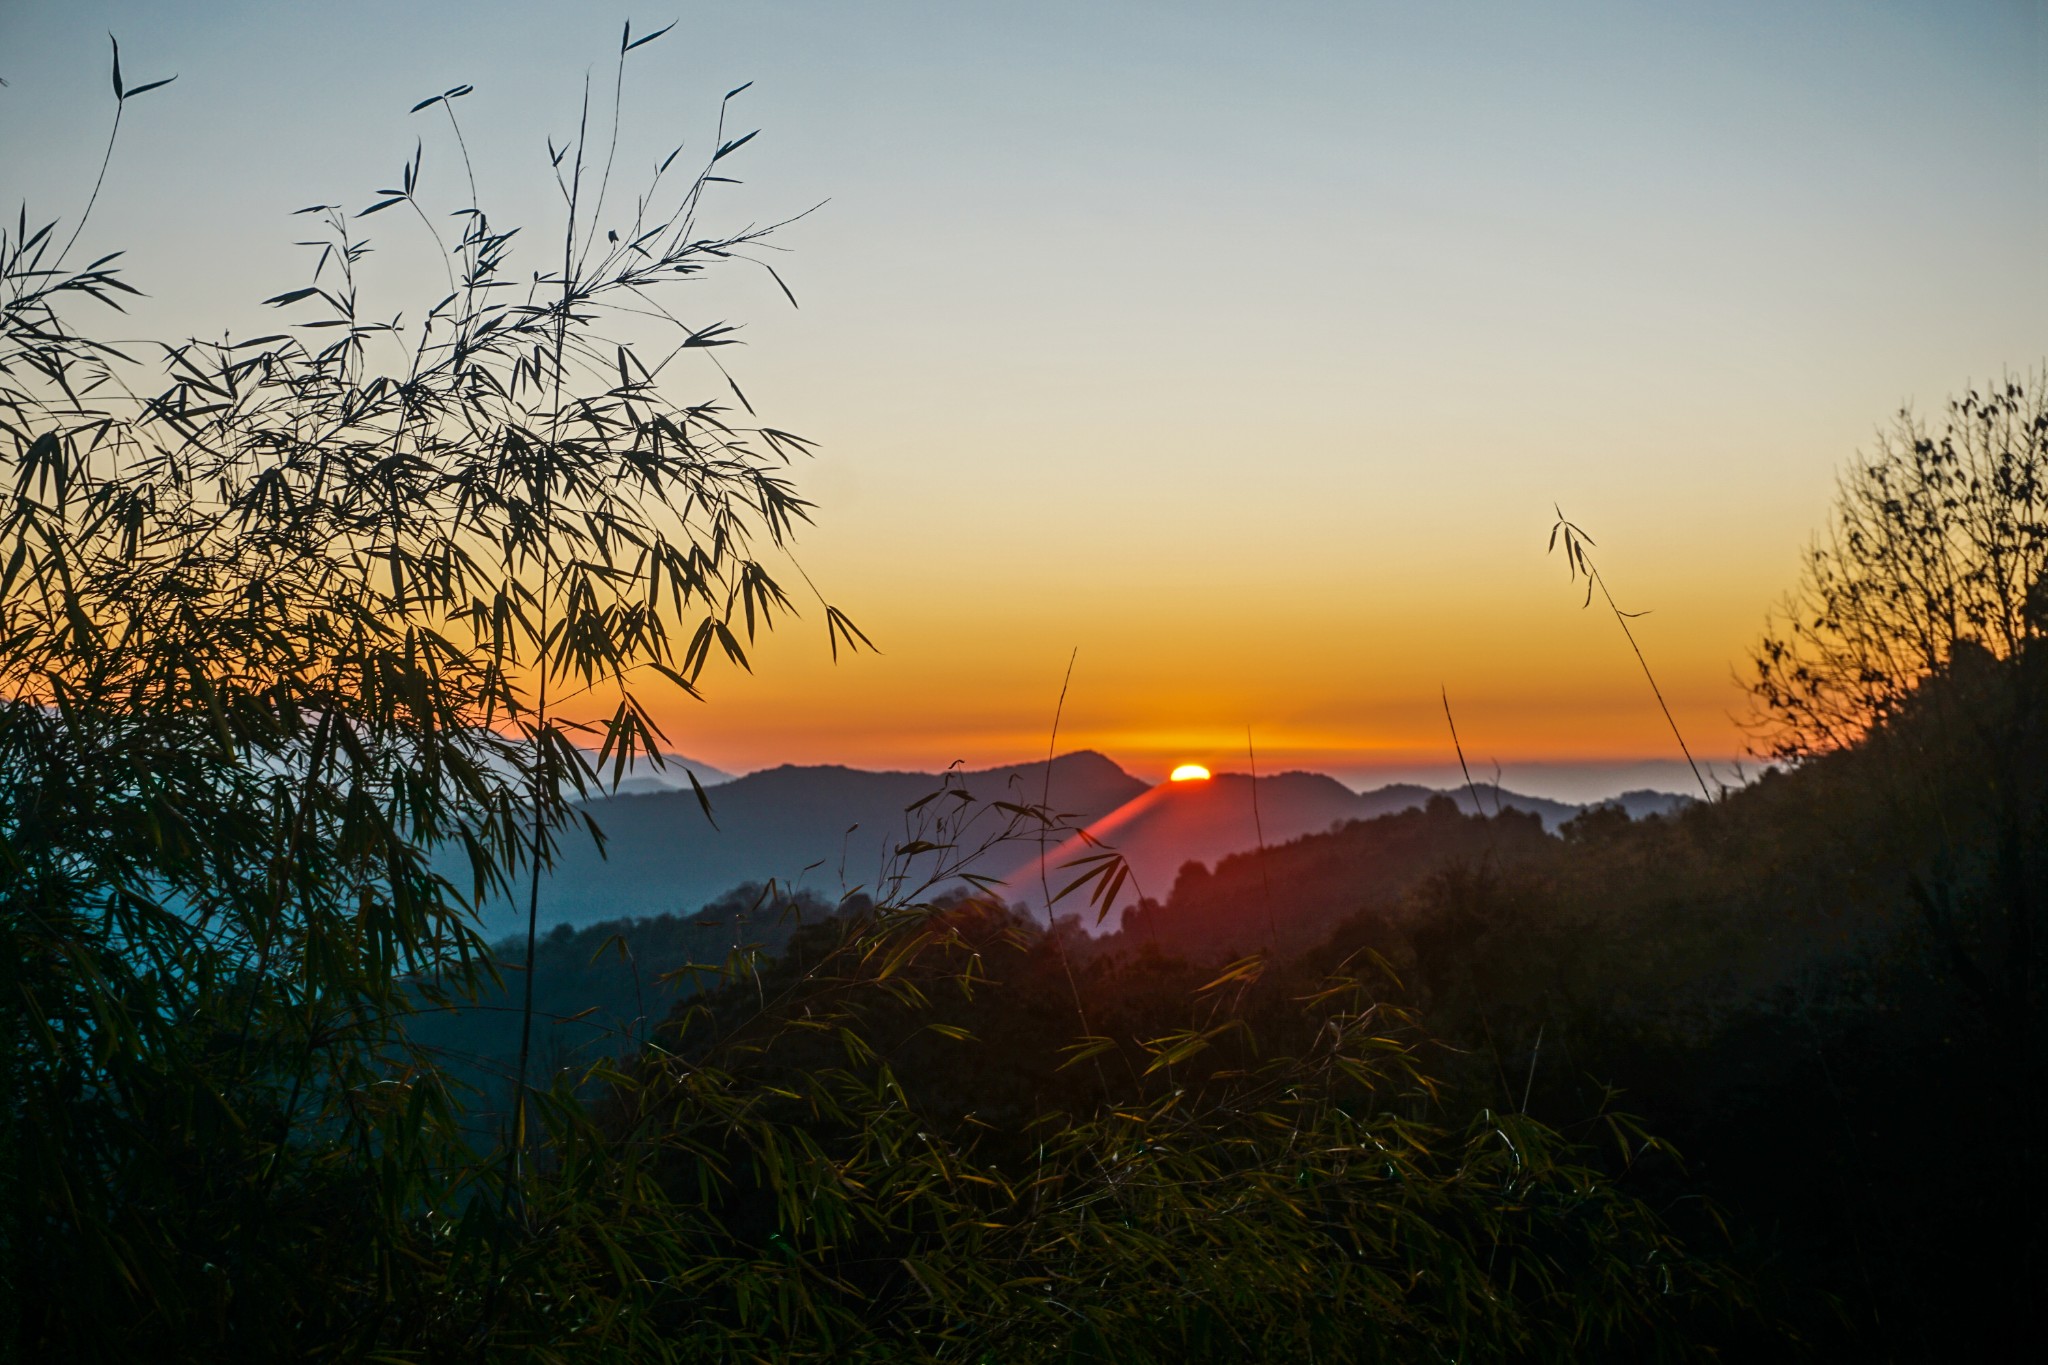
(828, 830)
(600, 985)
(1177, 823)
(1291, 895)
(1643, 801)
(831, 830)
(643, 778)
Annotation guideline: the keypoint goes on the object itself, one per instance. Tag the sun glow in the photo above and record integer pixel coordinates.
(1190, 772)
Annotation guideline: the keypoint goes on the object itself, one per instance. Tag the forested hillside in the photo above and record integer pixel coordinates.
(1784, 986)
(1759, 982)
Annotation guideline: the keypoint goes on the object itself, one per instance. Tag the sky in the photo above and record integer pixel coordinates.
(1239, 354)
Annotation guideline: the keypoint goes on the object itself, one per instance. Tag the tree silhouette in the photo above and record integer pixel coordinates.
(291, 624)
(1938, 542)
(1912, 658)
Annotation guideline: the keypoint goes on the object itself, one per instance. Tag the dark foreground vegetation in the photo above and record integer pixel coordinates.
(281, 633)
(1842, 1107)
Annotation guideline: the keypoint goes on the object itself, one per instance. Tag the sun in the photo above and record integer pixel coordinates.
(1190, 772)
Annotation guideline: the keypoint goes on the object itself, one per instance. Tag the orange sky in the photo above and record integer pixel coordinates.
(1334, 677)
(1244, 348)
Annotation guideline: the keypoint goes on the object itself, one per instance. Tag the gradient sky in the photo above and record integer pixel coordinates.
(1244, 348)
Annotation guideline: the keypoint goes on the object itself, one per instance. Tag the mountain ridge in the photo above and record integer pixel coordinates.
(833, 830)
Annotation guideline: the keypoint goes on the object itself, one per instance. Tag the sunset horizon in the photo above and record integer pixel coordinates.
(1578, 781)
(1633, 269)
(923, 682)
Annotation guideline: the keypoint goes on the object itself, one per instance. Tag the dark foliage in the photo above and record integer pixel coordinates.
(599, 990)
(1233, 1165)
(1293, 896)
(1824, 991)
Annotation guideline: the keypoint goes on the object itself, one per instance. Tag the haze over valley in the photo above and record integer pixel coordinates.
(833, 832)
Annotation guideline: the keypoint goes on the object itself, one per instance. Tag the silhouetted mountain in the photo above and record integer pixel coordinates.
(1289, 896)
(1178, 823)
(643, 778)
(830, 830)
(640, 776)
(1486, 799)
(1643, 802)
